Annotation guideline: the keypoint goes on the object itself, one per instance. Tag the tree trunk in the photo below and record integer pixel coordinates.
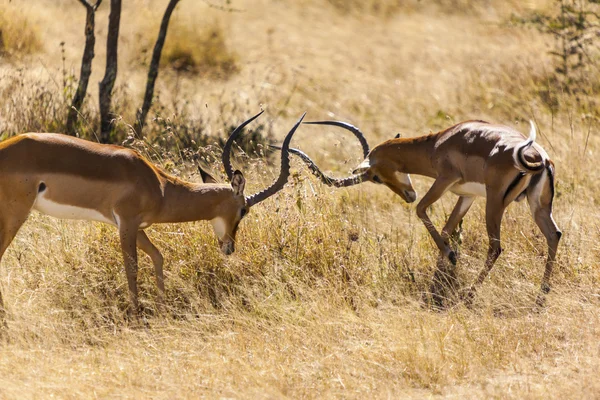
(108, 82)
(86, 64)
(153, 71)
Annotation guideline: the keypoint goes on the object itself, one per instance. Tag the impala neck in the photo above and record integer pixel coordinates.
(185, 201)
(413, 155)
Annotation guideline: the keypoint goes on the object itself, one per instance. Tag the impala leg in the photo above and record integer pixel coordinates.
(128, 236)
(439, 187)
(443, 276)
(461, 208)
(493, 217)
(545, 222)
(148, 247)
(9, 226)
(540, 201)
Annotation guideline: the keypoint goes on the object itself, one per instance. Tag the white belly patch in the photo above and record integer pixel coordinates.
(66, 211)
(469, 189)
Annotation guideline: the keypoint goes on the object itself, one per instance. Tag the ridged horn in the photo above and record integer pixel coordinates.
(359, 135)
(227, 149)
(284, 172)
(328, 180)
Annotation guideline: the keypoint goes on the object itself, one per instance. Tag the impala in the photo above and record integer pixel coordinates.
(67, 177)
(471, 159)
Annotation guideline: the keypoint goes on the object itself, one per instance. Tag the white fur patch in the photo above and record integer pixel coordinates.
(66, 211)
(403, 178)
(467, 202)
(220, 227)
(117, 219)
(469, 189)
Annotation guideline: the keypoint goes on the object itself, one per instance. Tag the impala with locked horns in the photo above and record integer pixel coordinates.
(67, 177)
(470, 159)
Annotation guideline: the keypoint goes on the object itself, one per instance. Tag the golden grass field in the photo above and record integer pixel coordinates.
(323, 297)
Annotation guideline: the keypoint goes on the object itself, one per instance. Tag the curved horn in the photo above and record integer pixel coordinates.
(359, 135)
(284, 173)
(227, 149)
(328, 180)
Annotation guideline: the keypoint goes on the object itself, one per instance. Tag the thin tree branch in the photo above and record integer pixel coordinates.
(154, 66)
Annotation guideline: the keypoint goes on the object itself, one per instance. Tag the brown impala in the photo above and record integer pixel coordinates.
(66, 177)
(471, 159)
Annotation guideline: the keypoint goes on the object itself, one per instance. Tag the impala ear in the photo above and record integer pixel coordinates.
(397, 136)
(238, 182)
(206, 177)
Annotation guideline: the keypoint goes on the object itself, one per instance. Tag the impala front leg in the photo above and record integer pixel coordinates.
(439, 187)
(9, 226)
(12, 216)
(442, 276)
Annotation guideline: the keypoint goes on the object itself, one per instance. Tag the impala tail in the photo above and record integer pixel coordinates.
(521, 162)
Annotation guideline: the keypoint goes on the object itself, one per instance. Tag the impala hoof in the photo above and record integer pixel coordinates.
(452, 258)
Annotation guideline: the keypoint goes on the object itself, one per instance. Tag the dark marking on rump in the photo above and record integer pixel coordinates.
(42, 187)
(550, 169)
(514, 184)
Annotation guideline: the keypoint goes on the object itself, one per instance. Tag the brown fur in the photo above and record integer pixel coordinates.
(121, 185)
(466, 153)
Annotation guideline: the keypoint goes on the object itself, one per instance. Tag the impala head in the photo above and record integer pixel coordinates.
(380, 165)
(236, 205)
(230, 211)
(381, 168)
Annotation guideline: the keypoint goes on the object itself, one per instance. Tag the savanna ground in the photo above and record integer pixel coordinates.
(323, 297)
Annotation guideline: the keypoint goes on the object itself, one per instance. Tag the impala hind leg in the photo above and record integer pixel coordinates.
(128, 237)
(540, 198)
(545, 222)
(494, 212)
(444, 277)
(148, 247)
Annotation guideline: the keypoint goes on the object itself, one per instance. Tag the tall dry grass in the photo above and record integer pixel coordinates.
(18, 33)
(323, 297)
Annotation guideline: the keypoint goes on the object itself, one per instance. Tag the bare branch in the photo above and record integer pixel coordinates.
(154, 65)
(110, 75)
(86, 65)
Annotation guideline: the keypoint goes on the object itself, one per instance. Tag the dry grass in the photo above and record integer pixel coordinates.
(18, 35)
(200, 50)
(323, 295)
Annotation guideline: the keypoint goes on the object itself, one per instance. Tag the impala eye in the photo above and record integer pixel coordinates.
(376, 179)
